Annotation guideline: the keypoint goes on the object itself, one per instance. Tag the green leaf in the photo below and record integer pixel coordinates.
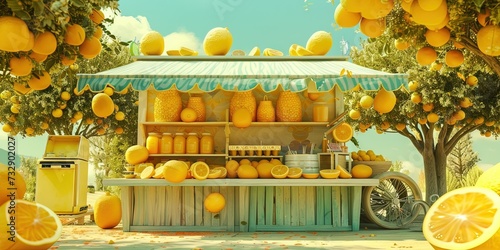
(479, 3)
(23, 15)
(78, 3)
(38, 7)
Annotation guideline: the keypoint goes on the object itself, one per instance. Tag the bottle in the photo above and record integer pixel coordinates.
(179, 143)
(320, 112)
(324, 144)
(206, 144)
(152, 143)
(192, 144)
(167, 144)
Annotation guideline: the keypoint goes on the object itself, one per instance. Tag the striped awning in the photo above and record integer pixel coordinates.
(230, 73)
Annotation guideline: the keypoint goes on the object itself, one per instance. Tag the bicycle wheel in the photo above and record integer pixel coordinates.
(390, 204)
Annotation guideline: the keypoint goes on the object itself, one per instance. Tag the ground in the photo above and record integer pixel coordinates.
(89, 236)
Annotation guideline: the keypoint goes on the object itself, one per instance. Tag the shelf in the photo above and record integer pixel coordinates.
(335, 153)
(286, 124)
(221, 124)
(255, 156)
(212, 124)
(187, 155)
(243, 182)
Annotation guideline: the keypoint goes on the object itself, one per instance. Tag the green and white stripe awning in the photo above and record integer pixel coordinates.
(208, 73)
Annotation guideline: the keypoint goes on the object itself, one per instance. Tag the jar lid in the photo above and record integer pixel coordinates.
(154, 133)
(193, 133)
(179, 133)
(166, 133)
(206, 133)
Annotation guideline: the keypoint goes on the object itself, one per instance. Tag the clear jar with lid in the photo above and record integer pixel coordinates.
(192, 144)
(206, 144)
(166, 144)
(179, 143)
(320, 112)
(152, 143)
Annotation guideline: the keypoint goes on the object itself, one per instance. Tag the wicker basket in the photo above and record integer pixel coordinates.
(378, 167)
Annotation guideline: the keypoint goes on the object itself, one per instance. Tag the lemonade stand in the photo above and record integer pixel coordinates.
(260, 204)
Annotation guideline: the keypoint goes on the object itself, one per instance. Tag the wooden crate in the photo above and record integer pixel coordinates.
(302, 208)
(179, 208)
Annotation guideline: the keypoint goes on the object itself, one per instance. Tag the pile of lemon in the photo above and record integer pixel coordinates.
(369, 155)
(218, 42)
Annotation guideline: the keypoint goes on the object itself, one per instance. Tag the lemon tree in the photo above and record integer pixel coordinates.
(446, 105)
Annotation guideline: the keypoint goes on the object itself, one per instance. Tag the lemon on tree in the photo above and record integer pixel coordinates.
(102, 105)
(217, 42)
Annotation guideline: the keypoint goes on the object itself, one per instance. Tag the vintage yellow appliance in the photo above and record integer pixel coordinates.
(62, 175)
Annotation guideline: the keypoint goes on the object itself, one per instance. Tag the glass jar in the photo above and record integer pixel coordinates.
(179, 143)
(206, 144)
(167, 144)
(192, 144)
(152, 143)
(320, 112)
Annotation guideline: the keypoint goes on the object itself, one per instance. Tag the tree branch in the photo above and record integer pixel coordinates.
(418, 145)
(469, 44)
(457, 136)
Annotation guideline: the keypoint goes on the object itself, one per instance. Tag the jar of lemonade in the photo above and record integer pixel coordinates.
(179, 143)
(320, 112)
(152, 143)
(192, 144)
(166, 144)
(206, 144)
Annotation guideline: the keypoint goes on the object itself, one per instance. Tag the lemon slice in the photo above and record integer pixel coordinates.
(238, 52)
(159, 172)
(272, 52)
(223, 172)
(329, 173)
(148, 172)
(214, 173)
(254, 52)
(343, 132)
(173, 52)
(187, 52)
(310, 176)
(200, 170)
(294, 173)
(344, 174)
(301, 51)
(292, 50)
(280, 171)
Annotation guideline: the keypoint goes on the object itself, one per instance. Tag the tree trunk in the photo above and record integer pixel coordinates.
(435, 171)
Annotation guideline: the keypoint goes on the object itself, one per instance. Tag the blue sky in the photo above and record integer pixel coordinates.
(264, 23)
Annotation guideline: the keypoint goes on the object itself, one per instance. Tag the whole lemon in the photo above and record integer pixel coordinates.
(217, 42)
(152, 43)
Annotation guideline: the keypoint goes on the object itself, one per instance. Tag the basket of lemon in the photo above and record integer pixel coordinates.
(377, 162)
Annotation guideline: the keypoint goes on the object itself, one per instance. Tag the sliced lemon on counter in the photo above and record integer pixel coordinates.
(148, 172)
(344, 174)
(238, 52)
(200, 170)
(214, 173)
(187, 52)
(292, 51)
(272, 52)
(301, 51)
(279, 171)
(173, 52)
(329, 173)
(254, 52)
(294, 173)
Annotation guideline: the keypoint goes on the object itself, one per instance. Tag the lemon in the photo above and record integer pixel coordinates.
(294, 173)
(292, 51)
(280, 171)
(319, 43)
(214, 173)
(173, 52)
(152, 43)
(217, 42)
(301, 51)
(489, 179)
(254, 52)
(272, 52)
(238, 52)
(187, 52)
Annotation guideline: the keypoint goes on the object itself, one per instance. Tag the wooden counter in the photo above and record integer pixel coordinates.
(251, 204)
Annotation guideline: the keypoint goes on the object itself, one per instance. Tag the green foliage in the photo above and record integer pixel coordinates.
(470, 179)
(462, 158)
(397, 166)
(28, 170)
